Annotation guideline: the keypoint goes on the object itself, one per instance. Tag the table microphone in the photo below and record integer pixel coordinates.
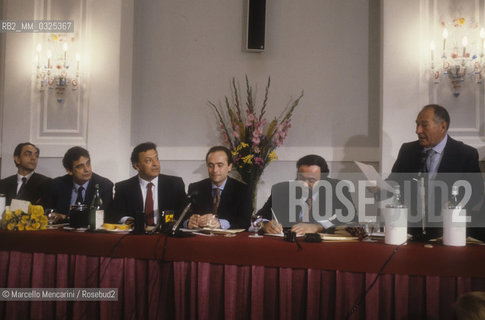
(175, 229)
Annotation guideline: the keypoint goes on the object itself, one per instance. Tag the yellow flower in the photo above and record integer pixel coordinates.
(8, 215)
(10, 226)
(35, 226)
(18, 212)
(247, 159)
(20, 227)
(244, 145)
(29, 228)
(36, 211)
(461, 21)
(24, 218)
(272, 156)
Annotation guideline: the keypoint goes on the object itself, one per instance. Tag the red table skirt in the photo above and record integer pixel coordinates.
(151, 289)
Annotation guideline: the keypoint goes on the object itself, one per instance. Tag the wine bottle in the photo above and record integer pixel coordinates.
(96, 213)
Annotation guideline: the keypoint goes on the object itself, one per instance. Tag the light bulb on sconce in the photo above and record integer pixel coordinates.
(53, 70)
(453, 66)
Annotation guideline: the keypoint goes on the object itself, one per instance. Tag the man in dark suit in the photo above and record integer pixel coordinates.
(26, 184)
(78, 185)
(149, 191)
(312, 177)
(435, 157)
(220, 201)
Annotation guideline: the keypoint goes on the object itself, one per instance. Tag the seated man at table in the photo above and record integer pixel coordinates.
(287, 205)
(220, 201)
(26, 184)
(78, 185)
(148, 191)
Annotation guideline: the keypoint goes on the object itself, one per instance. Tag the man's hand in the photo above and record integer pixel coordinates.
(194, 221)
(272, 227)
(209, 220)
(55, 218)
(302, 228)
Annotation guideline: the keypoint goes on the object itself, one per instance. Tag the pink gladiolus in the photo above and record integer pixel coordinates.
(236, 134)
(224, 136)
(258, 161)
(256, 140)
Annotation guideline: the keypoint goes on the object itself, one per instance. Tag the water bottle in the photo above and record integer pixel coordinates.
(454, 203)
(397, 198)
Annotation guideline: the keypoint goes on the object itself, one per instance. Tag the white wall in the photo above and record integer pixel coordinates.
(187, 52)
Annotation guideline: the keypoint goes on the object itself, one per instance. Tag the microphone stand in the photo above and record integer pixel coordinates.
(175, 229)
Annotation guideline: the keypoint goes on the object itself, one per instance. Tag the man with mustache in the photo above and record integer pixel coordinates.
(436, 157)
(148, 191)
(78, 185)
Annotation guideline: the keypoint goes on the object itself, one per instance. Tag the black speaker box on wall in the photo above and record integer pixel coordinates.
(256, 24)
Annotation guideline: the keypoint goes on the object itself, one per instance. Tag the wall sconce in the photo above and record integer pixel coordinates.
(55, 68)
(461, 57)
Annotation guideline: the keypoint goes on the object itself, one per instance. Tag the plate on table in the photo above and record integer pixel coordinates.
(57, 226)
(67, 228)
(119, 231)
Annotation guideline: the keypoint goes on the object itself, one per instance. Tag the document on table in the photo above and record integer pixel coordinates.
(372, 175)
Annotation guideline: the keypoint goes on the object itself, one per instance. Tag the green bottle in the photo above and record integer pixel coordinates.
(96, 212)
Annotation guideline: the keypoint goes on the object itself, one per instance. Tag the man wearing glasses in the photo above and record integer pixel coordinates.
(294, 203)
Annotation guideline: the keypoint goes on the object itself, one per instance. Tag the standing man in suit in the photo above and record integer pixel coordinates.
(220, 201)
(436, 156)
(312, 171)
(148, 191)
(26, 184)
(77, 186)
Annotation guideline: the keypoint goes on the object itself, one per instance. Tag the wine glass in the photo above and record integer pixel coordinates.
(212, 221)
(256, 224)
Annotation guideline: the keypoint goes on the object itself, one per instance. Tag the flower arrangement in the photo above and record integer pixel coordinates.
(19, 220)
(249, 135)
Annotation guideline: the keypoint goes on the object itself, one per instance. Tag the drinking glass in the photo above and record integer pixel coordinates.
(256, 224)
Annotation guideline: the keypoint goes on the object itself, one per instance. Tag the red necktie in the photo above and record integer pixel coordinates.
(149, 206)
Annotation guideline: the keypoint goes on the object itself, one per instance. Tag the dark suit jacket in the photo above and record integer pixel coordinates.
(34, 188)
(459, 162)
(128, 198)
(235, 205)
(279, 202)
(60, 190)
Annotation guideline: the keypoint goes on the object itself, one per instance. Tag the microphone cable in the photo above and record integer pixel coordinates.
(364, 294)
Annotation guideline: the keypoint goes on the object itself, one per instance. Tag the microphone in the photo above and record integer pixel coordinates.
(175, 229)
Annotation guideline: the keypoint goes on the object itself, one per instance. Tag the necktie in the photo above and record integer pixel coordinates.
(20, 194)
(80, 199)
(216, 200)
(423, 161)
(430, 161)
(309, 201)
(149, 206)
